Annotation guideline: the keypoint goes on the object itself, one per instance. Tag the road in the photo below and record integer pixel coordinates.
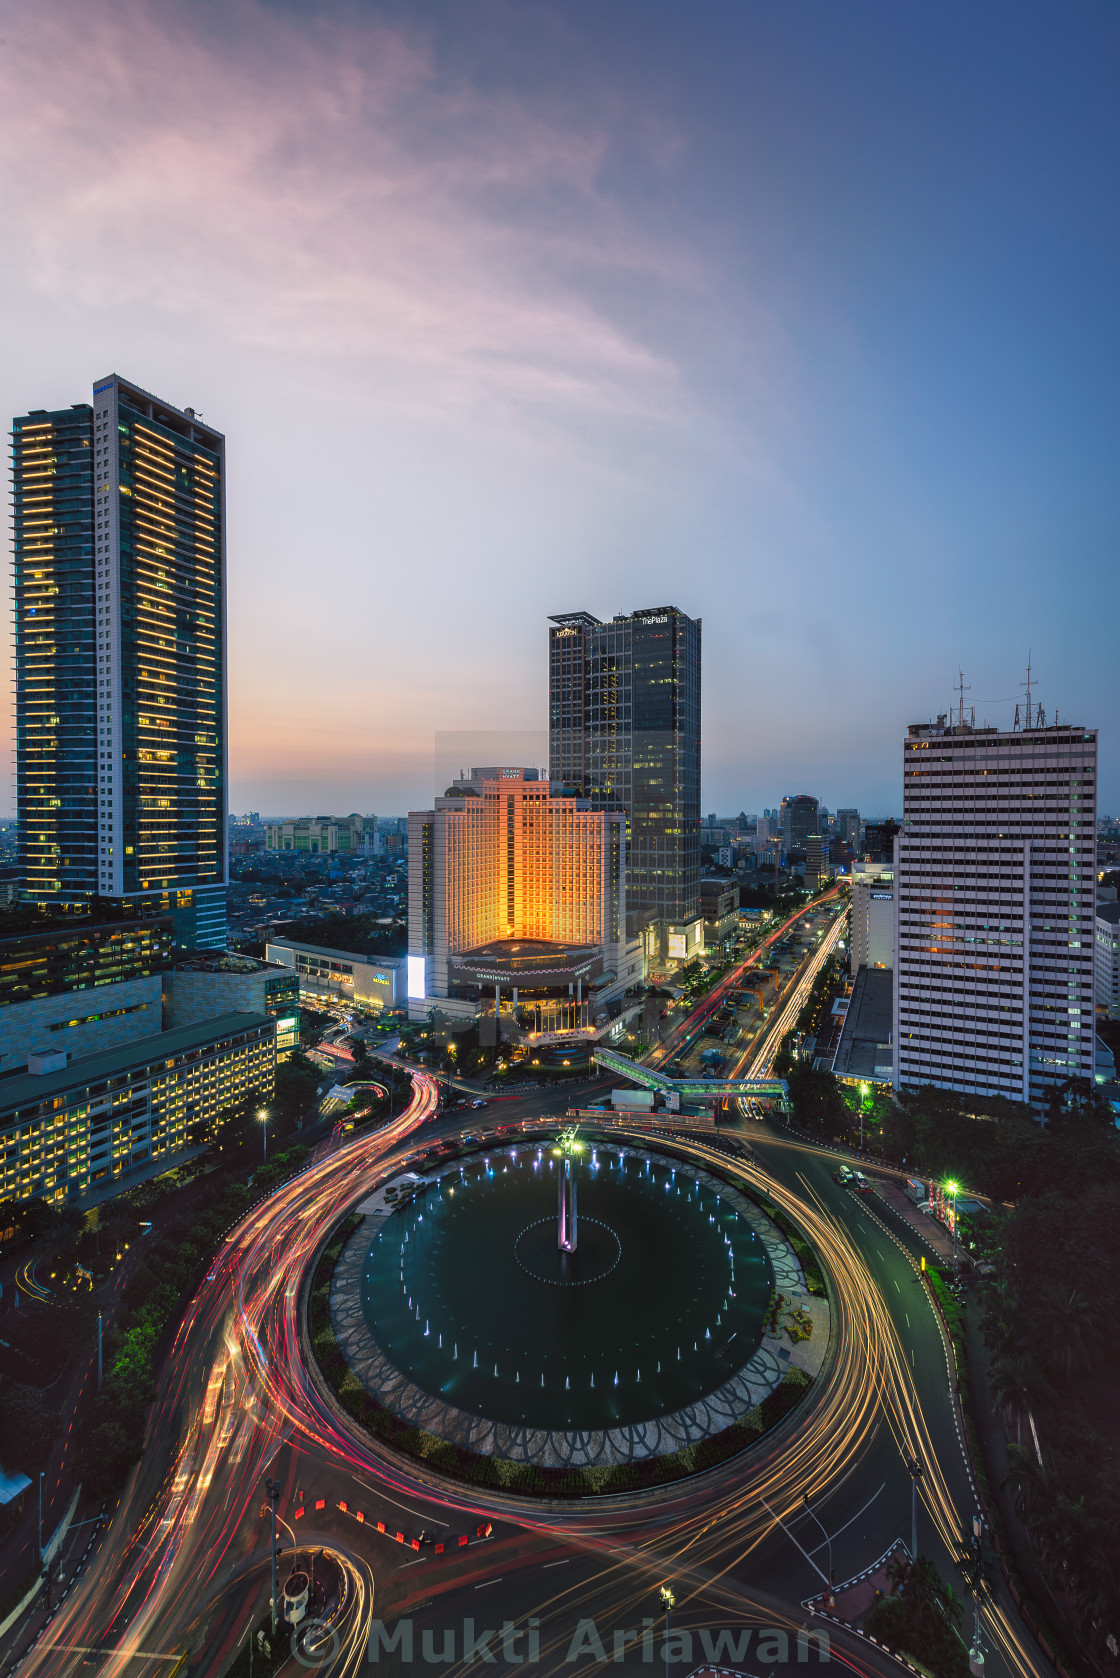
(182, 1569)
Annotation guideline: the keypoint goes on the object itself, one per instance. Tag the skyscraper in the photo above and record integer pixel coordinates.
(120, 642)
(624, 733)
(800, 815)
(995, 887)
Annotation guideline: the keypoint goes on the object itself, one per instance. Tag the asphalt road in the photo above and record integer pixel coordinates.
(183, 1567)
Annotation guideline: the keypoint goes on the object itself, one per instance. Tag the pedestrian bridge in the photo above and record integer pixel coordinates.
(689, 1089)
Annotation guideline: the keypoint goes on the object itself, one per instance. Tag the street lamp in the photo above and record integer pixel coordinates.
(954, 1189)
(976, 1653)
(916, 1471)
(668, 1602)
(263, 1117)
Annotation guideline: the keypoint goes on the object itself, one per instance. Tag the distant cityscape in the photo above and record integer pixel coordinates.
(532, 911)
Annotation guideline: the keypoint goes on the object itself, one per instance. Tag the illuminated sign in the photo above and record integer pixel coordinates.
(677, 944)
(287, 1025)
(883, 896)
(559, 632)
(653, 620)
(415, 984)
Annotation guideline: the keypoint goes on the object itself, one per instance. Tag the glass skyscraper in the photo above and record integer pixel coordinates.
(121, 659)
(624, 732)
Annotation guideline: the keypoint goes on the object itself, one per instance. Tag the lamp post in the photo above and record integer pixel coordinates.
(916, 1471)
(668, 1602)
(954, 1189)
(272, 1487)
(976, 1653)
(263, 1117)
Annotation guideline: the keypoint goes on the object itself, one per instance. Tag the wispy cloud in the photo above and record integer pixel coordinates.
(312, 182)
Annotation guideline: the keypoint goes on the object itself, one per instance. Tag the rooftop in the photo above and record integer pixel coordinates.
(26, 1088)
(865, 1049)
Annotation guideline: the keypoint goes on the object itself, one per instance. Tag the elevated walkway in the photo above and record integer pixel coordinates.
(676, 1090)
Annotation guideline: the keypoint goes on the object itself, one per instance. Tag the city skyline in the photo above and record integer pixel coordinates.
(803, 323)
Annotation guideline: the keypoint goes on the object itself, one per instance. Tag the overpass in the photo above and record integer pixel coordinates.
(690, 1089)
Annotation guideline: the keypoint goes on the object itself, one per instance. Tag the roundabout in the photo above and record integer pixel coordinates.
(463, 1314)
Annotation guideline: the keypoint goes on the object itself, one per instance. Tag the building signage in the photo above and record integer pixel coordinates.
(883, 896)
(416, 976)
(678, 943)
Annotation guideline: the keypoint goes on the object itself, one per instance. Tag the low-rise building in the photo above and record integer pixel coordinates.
(324, 835)
(206, 983)
(865, 1052)
(1107, 958)
(65, 1129)
(79, 986)
(371, 982)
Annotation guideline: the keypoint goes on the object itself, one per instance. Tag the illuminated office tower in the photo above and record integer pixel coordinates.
(624, 733)
(120, 659)
(995, 896)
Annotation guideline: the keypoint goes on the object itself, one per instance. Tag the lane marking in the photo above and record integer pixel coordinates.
(379, 1493)
(563, 1563)
(855, 1517)
(487, 1582)
(896, 1285)
(793, 1541)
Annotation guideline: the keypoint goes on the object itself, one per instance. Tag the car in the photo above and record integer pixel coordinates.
(478, 1103)
(862, 1186)
(844, 1175)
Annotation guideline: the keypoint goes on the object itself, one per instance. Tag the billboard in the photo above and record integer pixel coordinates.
(415, 985)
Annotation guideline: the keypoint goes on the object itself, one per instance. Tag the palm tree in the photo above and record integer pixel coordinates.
(1031, 1487)
(1066, 1326)
(1010, 1378)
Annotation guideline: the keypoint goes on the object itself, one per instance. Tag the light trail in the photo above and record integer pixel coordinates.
(237, 1387)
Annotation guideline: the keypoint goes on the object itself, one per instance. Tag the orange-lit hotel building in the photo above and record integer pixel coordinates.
(517, 902)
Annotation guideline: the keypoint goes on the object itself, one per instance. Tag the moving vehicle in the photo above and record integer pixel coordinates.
(860, 1183)
(844, 1175)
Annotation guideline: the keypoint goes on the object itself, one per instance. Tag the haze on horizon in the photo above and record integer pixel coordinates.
(801, 319)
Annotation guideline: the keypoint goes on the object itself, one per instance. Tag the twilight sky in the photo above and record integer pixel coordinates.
(802, 317)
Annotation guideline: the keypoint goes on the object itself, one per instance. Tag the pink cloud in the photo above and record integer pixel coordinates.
(322, 189)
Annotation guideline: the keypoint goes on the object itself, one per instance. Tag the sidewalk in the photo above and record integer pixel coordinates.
(932, 1232)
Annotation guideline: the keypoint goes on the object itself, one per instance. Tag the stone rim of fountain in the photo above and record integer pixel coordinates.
(558, 1447)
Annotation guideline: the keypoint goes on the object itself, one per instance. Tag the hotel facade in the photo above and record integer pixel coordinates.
(517, 899)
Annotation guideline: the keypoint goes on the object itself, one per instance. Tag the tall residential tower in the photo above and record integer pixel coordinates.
(995, 889)
(624, 733)
(119, 571)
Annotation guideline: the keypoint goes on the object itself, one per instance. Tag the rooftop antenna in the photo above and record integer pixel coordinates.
(1015, 724)
(963, 686)
(1028, 723)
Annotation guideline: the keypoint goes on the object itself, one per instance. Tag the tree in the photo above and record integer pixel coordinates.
(297, 1085)
(1065, 1326)
(921, 1619)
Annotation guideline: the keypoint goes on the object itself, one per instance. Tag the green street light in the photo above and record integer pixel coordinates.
(263, 1117)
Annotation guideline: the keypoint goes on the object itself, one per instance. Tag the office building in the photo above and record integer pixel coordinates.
(79, 987)
(878, 841)
(846, 827)
(66, 1129)
(120, 656)
(719, 905)
(800, 816)
(322, 974)
(995, 882)
(517, 899)
(624, 734)
(871, 936)
(206, 983)
(1107, 958)
(816, 860)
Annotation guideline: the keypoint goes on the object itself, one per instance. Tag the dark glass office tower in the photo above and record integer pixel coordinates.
(137, 619)
(624, 732)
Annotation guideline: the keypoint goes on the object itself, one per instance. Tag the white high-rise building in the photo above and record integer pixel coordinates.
(995, 883)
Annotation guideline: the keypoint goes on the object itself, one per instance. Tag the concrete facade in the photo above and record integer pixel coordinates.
(83, 1022)
(873, 913)
(204, 986)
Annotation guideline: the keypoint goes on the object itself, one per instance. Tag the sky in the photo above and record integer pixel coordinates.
(800, 317)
